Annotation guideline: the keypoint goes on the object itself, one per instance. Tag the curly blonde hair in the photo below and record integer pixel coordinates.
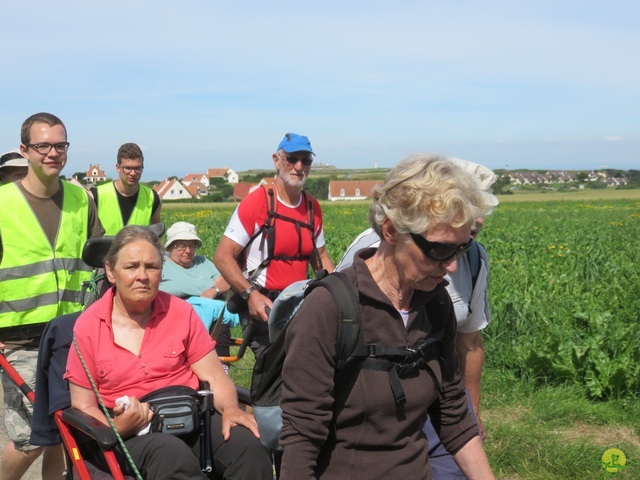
(427, 190)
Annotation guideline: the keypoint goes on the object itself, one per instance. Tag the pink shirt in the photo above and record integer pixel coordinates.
(174, 338)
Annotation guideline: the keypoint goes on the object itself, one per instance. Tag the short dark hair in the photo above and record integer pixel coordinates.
(130, 234)
(130, 151)
(42, 117)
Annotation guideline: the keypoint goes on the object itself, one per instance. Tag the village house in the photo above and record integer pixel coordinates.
(242, 189)
(95, 175)
(172, 189)
(197, 189)
(351, 189)
(190, 178)
(228, 174)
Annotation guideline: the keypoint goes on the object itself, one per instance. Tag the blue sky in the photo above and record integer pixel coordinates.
(207, 83)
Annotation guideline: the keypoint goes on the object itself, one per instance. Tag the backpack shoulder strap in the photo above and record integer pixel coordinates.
(473, 257)
(266, 229)
(315, 260)
(269, 232)
(346, 300)
(348, 337)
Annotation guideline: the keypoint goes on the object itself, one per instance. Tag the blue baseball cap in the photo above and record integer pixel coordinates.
(292, 142)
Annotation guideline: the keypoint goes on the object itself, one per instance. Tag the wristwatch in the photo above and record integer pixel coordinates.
(245, 295)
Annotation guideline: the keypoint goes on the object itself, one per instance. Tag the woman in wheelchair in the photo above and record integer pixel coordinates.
(135, 340)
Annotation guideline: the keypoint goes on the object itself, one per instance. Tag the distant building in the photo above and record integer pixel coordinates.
(228, 174)
(242, 189)
(190, 178)
(351, 189)
(562, 177)
(197, 189)
(171, 189)
(95, 175)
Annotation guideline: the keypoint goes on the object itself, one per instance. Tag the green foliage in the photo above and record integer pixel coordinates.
(216, 182)
(565, 294)
(634, 177)
(502, 186)
(254, 176)
(219, 190)
(564, 286)
(318, 187)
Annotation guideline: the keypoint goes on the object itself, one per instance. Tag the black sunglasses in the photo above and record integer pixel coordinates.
(293, 159)
(440, 251)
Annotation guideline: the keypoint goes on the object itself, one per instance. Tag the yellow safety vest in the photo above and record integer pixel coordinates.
(36, 282)
(109, 209)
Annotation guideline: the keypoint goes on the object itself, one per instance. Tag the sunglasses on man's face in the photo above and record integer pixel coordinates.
(440, 252)
(293, 159)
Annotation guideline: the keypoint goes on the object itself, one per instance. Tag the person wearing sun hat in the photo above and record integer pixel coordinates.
(277, 232)
(13, 166)
(196, 279)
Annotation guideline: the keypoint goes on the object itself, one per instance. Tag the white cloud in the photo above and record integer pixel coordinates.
(613, 138)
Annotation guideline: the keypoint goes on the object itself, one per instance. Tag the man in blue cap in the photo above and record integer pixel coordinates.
(275, 233)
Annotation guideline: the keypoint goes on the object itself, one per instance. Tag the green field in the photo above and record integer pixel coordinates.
(562, 374)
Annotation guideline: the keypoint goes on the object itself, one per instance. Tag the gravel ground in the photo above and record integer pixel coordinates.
(34, 472)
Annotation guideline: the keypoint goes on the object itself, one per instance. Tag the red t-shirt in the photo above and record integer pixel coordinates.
(249, 218)
(174, 338)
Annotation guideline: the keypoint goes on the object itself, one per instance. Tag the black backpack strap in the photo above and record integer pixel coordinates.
(315, 260)
(267, 228)
(473, 257)
(349, 334)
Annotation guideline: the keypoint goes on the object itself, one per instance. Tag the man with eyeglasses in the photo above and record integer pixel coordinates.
(468, 291)
(124, 201)
(275, 232)
(44, 223)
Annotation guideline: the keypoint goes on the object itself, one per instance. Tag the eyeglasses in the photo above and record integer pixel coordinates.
(440, 252)
(44, 148)
(182, 246)
(128, 170)
(293, 159)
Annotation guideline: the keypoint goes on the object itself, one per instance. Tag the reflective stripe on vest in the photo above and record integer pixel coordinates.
(36, 282)
(111, 215)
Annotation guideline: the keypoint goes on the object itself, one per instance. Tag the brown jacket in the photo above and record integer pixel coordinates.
(375, 438)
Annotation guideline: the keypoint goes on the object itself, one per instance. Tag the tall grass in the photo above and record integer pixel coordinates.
(565, 294)
(564, 287)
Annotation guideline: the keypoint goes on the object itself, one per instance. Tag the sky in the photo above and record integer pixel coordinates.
(206, 83)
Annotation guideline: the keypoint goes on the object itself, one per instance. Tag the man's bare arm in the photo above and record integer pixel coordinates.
(224, 259)
(327, 264)
(471, 353)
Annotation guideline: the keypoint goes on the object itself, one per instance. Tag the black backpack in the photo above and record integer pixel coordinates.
(352, 355)
(266, 382)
